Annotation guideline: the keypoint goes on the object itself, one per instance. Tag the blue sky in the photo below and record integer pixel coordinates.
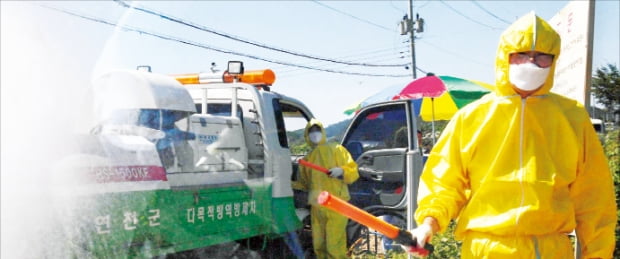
(460, 39)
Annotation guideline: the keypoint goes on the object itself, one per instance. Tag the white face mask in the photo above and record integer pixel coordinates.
(527, 76)
(315, 136)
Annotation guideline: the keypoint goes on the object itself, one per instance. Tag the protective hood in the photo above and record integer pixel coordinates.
(311, 123)
(529, 33)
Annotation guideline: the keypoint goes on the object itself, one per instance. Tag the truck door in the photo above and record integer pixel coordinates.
(379, 139)
(286, 111)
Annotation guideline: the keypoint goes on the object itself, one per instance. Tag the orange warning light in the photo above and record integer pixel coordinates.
(188, 79)
(265, 76)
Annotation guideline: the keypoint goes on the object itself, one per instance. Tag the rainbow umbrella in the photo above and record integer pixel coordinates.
(456, 93)
(443, 96)
(436, 97)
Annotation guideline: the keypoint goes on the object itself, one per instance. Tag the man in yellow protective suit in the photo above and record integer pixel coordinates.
(328, 227)
(522, 167)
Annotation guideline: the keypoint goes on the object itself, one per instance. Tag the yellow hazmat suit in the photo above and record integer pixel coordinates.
(328, 227)
(521, 173)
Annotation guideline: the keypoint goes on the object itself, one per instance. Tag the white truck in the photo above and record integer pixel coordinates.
(179, 165)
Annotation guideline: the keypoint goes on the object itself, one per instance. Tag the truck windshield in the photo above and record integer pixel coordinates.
(381, 127)
(157, 119)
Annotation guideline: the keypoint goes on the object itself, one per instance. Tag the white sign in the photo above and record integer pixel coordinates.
(573, 71)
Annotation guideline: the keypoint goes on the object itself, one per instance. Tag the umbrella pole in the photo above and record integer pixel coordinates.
(433, 121)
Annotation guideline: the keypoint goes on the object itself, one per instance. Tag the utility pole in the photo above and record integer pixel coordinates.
(412, 35)
(410, 26)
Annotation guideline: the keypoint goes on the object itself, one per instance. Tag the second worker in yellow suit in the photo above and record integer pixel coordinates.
(328, 227)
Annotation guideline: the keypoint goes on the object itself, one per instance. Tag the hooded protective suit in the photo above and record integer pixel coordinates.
(328, 227)
(521, 173)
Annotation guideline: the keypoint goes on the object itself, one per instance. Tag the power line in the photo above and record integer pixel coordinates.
(294, 72)
(401, 55)
(374, 57)
(187, 42)
(376, 51)
(490, 13)
(451, 52)
(352, 16)
(261, 45)
(377, 58)
(395, 8)
(365, 55)
(422, 6)
(369, 55)
(467, 17)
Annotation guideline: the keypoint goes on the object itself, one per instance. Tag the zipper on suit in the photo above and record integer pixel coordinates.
(536, 248)
(521, 169)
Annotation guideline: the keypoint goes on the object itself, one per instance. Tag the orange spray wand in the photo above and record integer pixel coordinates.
(399, 235)
(313, 166)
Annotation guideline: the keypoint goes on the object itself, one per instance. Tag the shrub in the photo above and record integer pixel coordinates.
(612, 151)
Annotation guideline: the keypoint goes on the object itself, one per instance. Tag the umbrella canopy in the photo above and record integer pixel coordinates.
(446, 94)
(428, 86)
(442, 96)
(449, 94)
(435, 97)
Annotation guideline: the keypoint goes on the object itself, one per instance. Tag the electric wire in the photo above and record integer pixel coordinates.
(423, 5)
(395, 8)
(352, 16)
(490, 13)
(467, 17)
(372, 55)
(248, 42)
(375, 59)
(236, 38)
(375, 56)
(188, 42)
(452, 53)
(401, 52)
(297, 72)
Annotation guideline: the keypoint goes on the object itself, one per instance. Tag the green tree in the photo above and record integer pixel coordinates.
(300, 149)
(606, 87)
